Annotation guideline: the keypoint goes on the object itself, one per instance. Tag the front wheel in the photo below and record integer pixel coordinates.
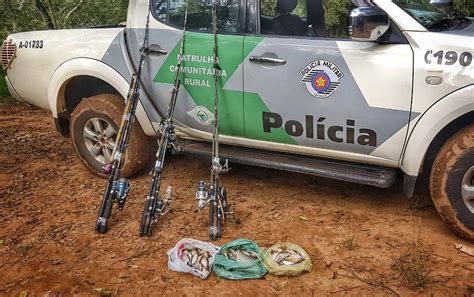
(94, 127)
(452, 183)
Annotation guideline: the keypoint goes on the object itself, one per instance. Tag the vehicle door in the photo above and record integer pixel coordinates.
(194, 109)
(307, 84)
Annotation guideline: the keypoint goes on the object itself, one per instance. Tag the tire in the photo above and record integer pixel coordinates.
(106, 109)
(452, 183)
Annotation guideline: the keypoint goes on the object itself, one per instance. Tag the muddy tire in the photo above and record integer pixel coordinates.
(94, 126)
(452, 183)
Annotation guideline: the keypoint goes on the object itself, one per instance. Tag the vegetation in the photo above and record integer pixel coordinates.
(335, 15)
(464, 7)
(3, 84)
(27, 15)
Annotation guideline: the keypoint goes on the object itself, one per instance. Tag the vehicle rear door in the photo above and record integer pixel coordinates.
(321, 91)
(195, 102)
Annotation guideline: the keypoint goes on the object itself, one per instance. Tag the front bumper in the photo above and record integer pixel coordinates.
(12, 91)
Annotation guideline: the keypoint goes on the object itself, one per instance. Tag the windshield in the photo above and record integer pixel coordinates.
(422, 11)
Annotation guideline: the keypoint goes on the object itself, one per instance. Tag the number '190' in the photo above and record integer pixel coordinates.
(448, 58)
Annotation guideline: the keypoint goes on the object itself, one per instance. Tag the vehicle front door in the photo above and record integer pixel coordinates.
(307, 84)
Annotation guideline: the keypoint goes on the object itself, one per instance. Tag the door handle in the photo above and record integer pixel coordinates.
(155, 49)
(267, 60)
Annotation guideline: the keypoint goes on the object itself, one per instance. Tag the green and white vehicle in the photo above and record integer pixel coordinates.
(392, 94)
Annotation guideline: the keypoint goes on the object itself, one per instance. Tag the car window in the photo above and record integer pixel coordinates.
(314, 18)
(336, 13)
(172, 13)
(269, 8)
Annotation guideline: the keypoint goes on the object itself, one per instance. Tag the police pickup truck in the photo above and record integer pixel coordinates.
(392, 94)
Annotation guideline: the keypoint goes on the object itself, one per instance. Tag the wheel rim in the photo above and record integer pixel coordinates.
(99, 137)
(467, 189)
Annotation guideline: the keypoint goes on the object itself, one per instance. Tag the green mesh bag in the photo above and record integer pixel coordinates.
(231, 269)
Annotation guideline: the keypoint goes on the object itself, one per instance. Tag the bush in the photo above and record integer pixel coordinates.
(465, 7)
(3, 84)
(18, 16)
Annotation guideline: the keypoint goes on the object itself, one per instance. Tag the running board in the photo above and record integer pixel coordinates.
(382, 177)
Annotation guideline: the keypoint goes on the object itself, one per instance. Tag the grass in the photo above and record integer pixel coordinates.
(3, 84)
(350, 243)
(413, 267)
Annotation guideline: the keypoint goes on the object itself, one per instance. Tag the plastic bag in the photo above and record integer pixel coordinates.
(225, 267)
(285, 267)
(178, 257)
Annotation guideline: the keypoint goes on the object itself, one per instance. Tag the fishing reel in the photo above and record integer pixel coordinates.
(153, 210)
(217, 167)
(122, 188)
(205, 194)
(202, 195)
(168, 127)
(164, 205)
(228, 209)
(173, 141)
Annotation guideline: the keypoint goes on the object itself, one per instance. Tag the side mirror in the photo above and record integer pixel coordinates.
(368, 23)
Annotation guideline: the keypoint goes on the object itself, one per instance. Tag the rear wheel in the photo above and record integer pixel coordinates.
(94, 127)
(452, 183)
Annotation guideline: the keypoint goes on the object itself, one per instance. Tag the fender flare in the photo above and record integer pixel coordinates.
(430, 123)
(91, 67)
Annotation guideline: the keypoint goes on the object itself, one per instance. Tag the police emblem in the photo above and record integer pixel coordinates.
(321, 78)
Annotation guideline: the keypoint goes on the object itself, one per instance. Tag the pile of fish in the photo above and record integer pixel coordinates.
(286, 256)
(240, 255)
(197, 259)
(239, 259)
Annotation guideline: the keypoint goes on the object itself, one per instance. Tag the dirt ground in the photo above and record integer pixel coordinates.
(362, 240)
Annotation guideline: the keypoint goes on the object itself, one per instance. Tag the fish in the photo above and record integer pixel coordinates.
(187, 260)
(286, 256)
(198, 266)
(292, 260)
(250, 254)
(278, 250)
(240, 255)
(279, 257)
(196, 258)
(205, 262)
(230, 254)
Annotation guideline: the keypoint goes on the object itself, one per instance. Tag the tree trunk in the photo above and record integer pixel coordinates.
(45, 14)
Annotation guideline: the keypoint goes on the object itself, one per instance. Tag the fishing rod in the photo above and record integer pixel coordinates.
(155, 206)
(118, 187)
(214, 193)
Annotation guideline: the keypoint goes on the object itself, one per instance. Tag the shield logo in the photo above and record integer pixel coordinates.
(321, 78)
